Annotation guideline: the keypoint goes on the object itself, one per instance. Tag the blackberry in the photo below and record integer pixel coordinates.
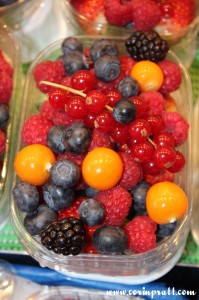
(66, 236)
(146, 46)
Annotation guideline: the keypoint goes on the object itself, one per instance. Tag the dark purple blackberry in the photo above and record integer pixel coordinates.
(66, 236)
(146, 46)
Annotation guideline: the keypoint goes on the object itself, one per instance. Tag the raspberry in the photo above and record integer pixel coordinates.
(172, 76)
(155, 101)
(117, 12)
(2, 142)
(146, 14)
(47, 111)
(62, 118)
(77, 158)
(117, 202)
(35, 130)
(100, 139)
(52, 71)
(5, 67)
(89, 248)
(141, 234)
(71, 211)
(6, 87)
(108, 86)
(132, 173)
(127, 64)
(177, 126)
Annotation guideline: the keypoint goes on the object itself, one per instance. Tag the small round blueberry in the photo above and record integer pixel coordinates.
(91, 212)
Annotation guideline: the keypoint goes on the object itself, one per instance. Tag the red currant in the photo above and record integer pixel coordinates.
(83, 80)
(113, 96)
(139, 130)
(89, 119)
(76, 107)
(164, 139)
(58, 98)
(142, 152)
(164, 156)
(179, 163)
(66, 81)
(156, 123)
(119, 134)
(104, 121)
(141, 107)
(150, 168)
(95, 101)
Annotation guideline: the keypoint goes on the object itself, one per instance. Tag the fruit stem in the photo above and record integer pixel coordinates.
(66, 88)
(150, 141)
(109, 108)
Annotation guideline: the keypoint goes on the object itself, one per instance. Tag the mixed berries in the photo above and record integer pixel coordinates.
(6, 88)
(162, 15)
(96, 173)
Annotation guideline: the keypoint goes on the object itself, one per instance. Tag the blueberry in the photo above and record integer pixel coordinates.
(57, 197)
(91, 212)
(74, 61)
(4, 115)
(165, 230)
(79, 137)
(139, 193)
(128, 87)
(39, 219)
(65, 173)
(70, 44)
(103, 47)
(56, 139)
(110, 240)
(107, 68)
(90, 192)
(26, 196)
(124, 111)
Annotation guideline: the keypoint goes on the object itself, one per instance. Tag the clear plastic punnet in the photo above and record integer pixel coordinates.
(127, 269)
(11, 52)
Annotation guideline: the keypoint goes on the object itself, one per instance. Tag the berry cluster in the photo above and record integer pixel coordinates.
(138, 14)
(103, 150)
(6, 87)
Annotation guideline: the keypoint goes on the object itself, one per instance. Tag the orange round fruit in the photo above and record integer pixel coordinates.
(102, 168)
(148, 75)
(32, 164)
(166, 202)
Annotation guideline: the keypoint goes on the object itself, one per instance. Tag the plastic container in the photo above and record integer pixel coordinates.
(182, 41)
(72, 293)
(11, 52)
(128, 269)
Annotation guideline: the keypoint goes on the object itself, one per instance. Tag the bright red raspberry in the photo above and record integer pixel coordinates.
(5, 67)
(146, 14)
(52, 71)
(117, 202)
(89, 248)
(2, 142)
(108, 86)
(172, 76)
(127, 64)
(155, 101)
(6, 87)
(141, 234)
(77, 158)
(47, 111)
(71, 211)
(100, 139)
(35, 130)
(117, 12)
(175, 123)
(62, 118)
(132, 173)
